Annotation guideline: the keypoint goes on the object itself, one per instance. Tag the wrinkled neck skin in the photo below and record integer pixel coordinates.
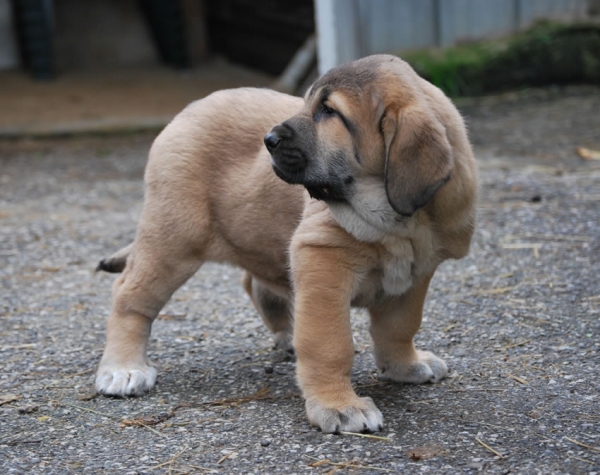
(367, 214)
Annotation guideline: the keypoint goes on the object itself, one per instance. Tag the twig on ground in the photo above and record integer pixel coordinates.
(367, 436)
(198, 467)
(152, 421)
(494, 291)
(18, 347)
(514, 345)
(582, 459)
(8, 398)
(171, 460)
(489, 448)
(110, 416)
(378, 383)
(85, 409)
(424, 401)
(320, 463)
(225, 457)
(150, 429)
(596, 449)
(17, 442)
(516, 378)
(499, 390)
(259, 395)
(484, 424)
(523, 245)
(81, 373)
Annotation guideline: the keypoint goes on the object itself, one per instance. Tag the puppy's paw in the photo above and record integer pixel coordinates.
(122, 381)
(359, 416)
(283, 341)
(427, 368)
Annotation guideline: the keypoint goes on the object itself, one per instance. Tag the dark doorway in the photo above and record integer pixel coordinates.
(262, 34)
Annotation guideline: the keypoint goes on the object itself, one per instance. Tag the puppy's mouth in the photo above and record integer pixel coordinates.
(325, 192)
(319, 190)
(293, 177)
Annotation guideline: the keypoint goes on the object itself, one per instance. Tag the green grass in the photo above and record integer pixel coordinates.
(547, 54)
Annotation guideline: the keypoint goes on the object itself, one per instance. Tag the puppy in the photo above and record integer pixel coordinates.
(354, 198)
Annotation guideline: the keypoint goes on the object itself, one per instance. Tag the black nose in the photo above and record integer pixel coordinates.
(271, 141)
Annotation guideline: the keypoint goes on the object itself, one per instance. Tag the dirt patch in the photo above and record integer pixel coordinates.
(96, 99)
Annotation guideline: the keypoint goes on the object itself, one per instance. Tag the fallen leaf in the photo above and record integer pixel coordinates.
(166, 316)
(50, 268)
(149, 421)
(6, 398)
(425, 452)
(88, 397)
(588, 154)
(43, 418)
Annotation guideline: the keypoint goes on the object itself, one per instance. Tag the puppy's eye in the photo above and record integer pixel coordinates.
(324, 112)
(328, 110)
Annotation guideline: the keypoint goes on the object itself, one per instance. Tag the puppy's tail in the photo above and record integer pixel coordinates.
(115, 263)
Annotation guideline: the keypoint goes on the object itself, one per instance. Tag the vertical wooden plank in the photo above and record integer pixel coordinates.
(497, 18)
(376, 24)
(401, 24)
(447, 18)
(194, 16)
(477, 19)
(392, 25)
(365, 10)
(423, 21)
(9, 54)
(462, 20)
(565, 10)
(348, 31)
(325, 24)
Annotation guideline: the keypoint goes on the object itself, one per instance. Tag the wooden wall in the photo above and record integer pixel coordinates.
(350, 29)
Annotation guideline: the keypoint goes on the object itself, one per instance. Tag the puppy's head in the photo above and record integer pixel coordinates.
(366, 122)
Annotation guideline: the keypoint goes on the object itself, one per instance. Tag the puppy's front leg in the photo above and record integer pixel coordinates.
(323, 285)
(394, 323)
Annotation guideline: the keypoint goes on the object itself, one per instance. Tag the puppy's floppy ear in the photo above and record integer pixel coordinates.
(418, 158)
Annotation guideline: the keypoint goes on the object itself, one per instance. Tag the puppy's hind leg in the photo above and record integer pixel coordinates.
(158, 264)
(274, 310)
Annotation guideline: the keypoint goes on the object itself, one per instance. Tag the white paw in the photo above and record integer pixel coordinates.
(120, 381)
(363, 416)
(428, 368)
(283, 341)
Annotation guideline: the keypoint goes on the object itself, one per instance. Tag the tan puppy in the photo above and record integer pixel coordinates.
(384, 156)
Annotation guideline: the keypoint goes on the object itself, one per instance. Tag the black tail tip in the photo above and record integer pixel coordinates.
(107, 265)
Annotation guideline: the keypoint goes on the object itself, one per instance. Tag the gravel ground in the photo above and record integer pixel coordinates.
(517, 322)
